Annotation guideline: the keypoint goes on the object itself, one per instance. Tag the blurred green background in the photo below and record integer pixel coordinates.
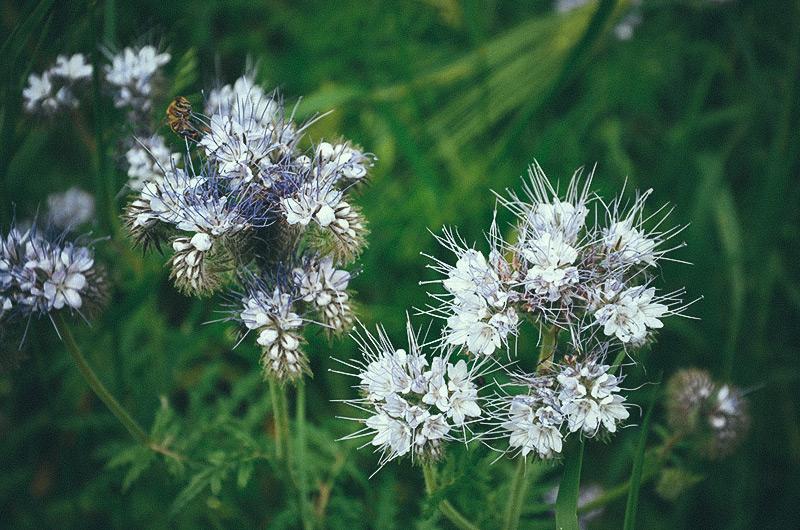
(455, 98)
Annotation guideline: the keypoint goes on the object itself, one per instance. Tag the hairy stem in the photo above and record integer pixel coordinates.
(94, 383)
(518, 489)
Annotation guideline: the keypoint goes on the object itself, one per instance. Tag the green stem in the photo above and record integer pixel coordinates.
(568, 490)
(95, 384)
(518, 489)
(300, 430)
(447, 509)
(276, 395)
(548, 346)
(647, 474)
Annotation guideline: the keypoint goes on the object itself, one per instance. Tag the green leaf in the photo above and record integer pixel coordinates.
(567, 501)
(638, 466)
(196, 485)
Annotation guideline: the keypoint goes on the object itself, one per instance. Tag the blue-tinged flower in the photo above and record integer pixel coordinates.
(589, 397)
(42, 272)
(415, 402)
(70, 208)
(268, 308)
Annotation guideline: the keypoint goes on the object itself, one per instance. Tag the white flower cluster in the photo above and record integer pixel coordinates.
(318, 282)
(39, 274)
(415, 404)
(561, 271)
(148, 159)
(585, 277)
(70, 208)
(481, 313)
(271, 316)
(55, 87)
(577, 397)
(250, 202)
(134, 73)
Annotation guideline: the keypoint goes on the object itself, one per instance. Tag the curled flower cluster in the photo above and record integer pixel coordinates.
(415, 402)
(40, 274)
(251, 208)
(715, 415)
(577, 397)
(55, 88)
(558, 271)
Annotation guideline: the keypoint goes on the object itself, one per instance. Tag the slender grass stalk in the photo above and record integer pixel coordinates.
(94, 383)
(447, 509)
(518, 489)
(638, 467)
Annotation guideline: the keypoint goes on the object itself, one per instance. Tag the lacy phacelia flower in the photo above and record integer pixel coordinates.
(135, 73)
(559, 271)
(55, 88)
(531, 422)
(71, 208)
(270, 314)
(148, 160)
(40, 274)
(414, 404)
(325, 287)
(479, 310)
(590, 399)
(630, 314)
(249, 203)
(715, 416)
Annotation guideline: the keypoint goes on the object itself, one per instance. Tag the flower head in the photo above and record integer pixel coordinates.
(714, 415)
(42, 272)
(415, 402)
(71, 208)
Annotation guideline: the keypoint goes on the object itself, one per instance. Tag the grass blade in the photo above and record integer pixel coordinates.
(638, 466)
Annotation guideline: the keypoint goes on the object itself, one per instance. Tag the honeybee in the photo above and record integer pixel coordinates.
(179, 117)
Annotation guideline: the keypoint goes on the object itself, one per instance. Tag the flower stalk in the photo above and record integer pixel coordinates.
(447, 509)
(94, 383)
(518, 489)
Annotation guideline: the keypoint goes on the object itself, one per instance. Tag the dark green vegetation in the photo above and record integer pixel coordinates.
(455, 98)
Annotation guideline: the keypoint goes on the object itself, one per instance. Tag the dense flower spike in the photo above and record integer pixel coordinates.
(270, 314)
(246, 205)
(415, 401)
